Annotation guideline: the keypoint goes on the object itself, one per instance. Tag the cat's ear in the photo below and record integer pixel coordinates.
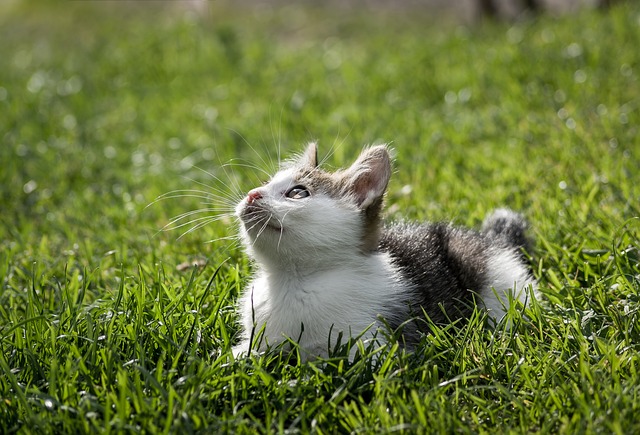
(310, 156)
(367, 178)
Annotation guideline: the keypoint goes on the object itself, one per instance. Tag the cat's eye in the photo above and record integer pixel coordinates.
(297, 192)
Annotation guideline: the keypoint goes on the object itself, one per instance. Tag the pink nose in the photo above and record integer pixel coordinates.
(253, 195)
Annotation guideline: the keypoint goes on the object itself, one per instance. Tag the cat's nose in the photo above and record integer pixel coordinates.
(253, 195)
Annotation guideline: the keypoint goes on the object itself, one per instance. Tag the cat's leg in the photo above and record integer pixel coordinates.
(507, 277)
(507, 271)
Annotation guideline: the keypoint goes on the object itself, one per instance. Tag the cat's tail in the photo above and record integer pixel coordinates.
(508, 227)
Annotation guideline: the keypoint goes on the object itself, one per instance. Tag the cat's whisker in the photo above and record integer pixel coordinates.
(208, 186)
(215, 192)
(248, 166)
(219, 211)
(218, 199)
(281, 223)
(197, 227)
(264, 227)
(207, 197)
(236, 192)
(279, 239)
(186, 193)
(190, 230)
(234, 238)
(253, 225)
(333, 148)
(236, 241)
(278, 142)
(210, 174)
(171, 226)
(174, 194)
(263, 161)
(235, 185)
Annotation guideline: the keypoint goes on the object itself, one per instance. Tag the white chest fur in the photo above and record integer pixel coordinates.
(315, 308)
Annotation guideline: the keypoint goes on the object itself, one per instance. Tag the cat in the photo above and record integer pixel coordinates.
(327, 265)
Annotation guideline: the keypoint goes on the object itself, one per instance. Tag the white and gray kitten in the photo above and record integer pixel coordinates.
(327, 266)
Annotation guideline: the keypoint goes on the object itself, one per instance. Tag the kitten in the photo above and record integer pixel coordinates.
(326, 264)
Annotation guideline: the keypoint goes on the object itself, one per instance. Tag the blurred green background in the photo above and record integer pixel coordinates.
(107, 105)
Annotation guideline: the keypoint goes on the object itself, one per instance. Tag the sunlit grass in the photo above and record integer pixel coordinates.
(105, 326)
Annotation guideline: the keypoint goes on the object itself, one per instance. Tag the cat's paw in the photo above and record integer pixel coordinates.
(240, 350)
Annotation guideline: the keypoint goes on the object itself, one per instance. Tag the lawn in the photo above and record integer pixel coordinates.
(106, 106)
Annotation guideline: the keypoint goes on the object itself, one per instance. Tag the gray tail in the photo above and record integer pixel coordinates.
(508, 227)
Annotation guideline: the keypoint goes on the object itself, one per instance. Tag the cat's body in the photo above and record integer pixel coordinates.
(326, 266)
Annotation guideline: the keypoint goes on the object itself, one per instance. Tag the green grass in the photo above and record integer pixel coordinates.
(106, 106)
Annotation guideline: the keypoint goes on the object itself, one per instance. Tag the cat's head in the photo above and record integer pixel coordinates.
(306, 214)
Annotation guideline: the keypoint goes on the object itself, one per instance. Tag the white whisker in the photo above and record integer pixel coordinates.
(262, 160)
(196, 227)
(198, 194)
(234, 239)
(334, 147)
(219, 212)
(217, 193)
(233, 185)
(281, 223)
(248, 166)
(172, 225)
(264, 227)
(277, 142)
